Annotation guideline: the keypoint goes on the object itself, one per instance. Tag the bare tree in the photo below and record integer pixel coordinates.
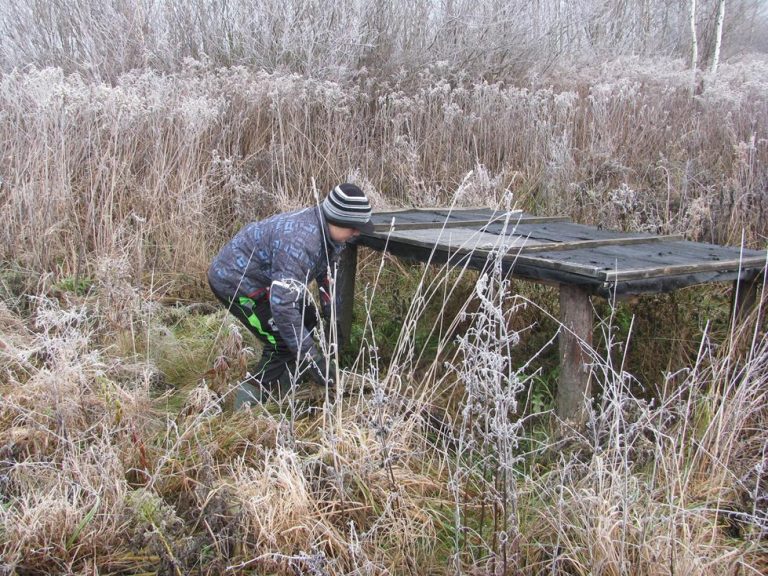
(718, 36)
(488, 38)
(694, 41)
(694, 46)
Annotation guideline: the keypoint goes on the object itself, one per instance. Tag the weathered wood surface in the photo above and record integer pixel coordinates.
(575, 342)
(478, 219)
(464, 239)
(624, 241)
(559, 251)
(563, 231)
(582, 260)
(345, 285)
(745, 298)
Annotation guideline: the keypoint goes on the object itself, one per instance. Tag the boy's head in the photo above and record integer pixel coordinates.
(347, 207)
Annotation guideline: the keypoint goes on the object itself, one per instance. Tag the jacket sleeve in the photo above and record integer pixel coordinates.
(288, 295)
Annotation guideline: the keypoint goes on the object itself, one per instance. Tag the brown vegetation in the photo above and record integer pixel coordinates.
(135, 139)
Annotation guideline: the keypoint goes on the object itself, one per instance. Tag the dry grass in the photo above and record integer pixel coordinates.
(156, 171)
(134, 140)
(104, 39)
(96, 474)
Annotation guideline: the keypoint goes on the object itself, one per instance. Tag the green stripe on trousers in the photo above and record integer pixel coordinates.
(253, 320)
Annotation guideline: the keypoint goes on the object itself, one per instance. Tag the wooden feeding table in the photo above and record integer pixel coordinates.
(581, 260)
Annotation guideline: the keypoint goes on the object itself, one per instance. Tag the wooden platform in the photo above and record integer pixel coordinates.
(558, 251)
(582, 260)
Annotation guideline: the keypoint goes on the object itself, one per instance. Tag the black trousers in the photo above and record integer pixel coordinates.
(270, 375)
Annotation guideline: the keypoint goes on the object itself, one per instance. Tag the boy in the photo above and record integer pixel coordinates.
(262, 276)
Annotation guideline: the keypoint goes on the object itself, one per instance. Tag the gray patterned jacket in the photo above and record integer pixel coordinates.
(279, 256)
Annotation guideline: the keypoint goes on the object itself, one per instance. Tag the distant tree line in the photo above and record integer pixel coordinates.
(491, 39)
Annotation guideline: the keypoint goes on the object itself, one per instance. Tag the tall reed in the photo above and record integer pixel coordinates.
(413, 467)
(159, 170)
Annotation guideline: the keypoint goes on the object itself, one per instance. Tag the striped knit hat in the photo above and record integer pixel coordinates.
(347, 206)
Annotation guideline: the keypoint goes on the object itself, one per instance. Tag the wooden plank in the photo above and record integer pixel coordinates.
(604, 271)
(454, 239)
(562, 232)
(527, 219)
(744, 298)
(383, 221)
(661, 284)
(478, 260)
(476, 214)
(535, 272)
(719, 265)
(590, 271)
(683, 250)
(581, 244)
(436, 210)
(436, 214)
(462, 213)
(672, 253)
(400, 226)
(575, 339)
(613, 258)
(570, 234)
(672, 256)
(473, 210)
(406, 223)
(606, 261)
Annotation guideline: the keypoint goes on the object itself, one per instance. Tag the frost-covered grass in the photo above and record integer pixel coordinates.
(156, 170)
(423, 463)
(135, 138)
(105, 38)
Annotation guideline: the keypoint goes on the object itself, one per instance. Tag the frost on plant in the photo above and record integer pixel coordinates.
(491, 427)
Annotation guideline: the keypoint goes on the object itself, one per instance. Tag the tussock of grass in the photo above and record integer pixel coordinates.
(133, 143)
(143, 179)
(412, 465)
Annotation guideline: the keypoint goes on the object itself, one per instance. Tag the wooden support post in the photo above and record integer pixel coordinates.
(744, 298)
(345, 286)
(575, 334)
